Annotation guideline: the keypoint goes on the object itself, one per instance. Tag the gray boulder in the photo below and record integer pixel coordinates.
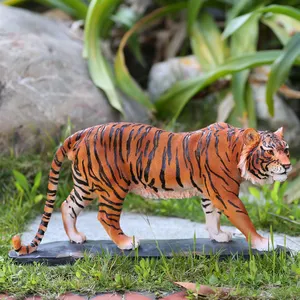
(44, 81)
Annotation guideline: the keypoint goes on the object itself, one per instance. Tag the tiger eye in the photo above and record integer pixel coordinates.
(286, 151)
(271, 152)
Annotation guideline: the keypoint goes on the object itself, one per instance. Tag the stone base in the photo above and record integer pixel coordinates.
(57, 253)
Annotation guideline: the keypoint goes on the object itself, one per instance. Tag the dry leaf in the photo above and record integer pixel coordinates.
(203, 290)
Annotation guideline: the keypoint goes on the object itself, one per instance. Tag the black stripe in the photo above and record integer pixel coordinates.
(178, 179)
(111, 202)
(146, 148)
(234, 205)
(132, 175)
(169, 147)
(57, 162)
(82, 189)
(152, 153)
(69, 142)
(41, 232)
(151, 185)
(128, 143)
(75, 215)
(205, 205)
(162, 171)
(112, 171)
(111, 134)
(194, 183)
(206, 186)
(54, 172)
(44, 223)
(110, 207)
(220, 199)
(110, 225)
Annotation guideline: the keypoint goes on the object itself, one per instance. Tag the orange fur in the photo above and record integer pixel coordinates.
(111, 160)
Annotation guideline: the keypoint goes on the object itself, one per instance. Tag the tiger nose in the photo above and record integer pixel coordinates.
(287, 166)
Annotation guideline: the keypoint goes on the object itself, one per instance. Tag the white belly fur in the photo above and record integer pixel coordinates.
(162, 194)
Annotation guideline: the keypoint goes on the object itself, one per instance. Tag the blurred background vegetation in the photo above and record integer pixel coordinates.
(228, 37)
(188, 63)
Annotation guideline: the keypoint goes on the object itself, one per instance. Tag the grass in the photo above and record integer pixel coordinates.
(261, 277)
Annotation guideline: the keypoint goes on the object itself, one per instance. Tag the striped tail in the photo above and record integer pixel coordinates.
(51, 195)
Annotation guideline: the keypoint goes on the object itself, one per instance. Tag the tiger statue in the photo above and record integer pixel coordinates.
(111, 160)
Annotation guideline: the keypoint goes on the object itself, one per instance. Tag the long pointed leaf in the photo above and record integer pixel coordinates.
(194, 7)
(78, 6)
(279, 31)
(207, 43)
(124, 79)
(280, 69)
(170, 104)
(241, 46)
(98, 13)
(236, 23)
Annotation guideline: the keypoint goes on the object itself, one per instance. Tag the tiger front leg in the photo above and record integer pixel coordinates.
(236, 212)
(212, 219)
(109, 216)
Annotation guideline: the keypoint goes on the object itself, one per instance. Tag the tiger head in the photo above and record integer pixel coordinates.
(265, 156)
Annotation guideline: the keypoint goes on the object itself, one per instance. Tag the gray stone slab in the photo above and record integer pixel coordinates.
(141, 226)
(55, 253)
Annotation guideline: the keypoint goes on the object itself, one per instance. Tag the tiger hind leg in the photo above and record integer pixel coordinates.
(70, 209)
(109, 214)
(212, 217)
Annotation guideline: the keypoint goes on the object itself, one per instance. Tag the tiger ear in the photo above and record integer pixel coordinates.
(251, 137)
(279, 132)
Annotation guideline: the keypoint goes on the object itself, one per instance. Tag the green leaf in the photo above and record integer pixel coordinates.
(236, 9)
(235, 24)
(98, 13)
(171, 103)
(280, 32)
(280, 69)
(282, 9)
(250, 106)
(38, 198)
(126, 17)
(194, 7)
(293, 191)
(239, 46)
(207, 43)
(21, 180)
(127, 84)
(13, 2)
(78, 274)
(37, 181)
(213, 280)
(62, 6)
(78, 6)
(254, 192)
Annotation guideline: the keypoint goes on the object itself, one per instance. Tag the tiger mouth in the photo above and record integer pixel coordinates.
(279, 176)
(283, 173)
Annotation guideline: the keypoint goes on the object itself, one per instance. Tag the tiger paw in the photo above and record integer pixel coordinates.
(221, 236)
(263, 244)
(128, 243)
(78, 238)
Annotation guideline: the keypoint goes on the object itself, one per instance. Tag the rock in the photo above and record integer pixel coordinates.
(44, 81)
(164, 74)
